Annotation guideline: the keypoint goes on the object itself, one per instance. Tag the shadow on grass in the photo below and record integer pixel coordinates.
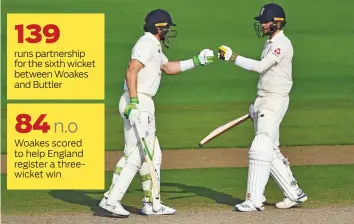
(81, 198)
(218, 197)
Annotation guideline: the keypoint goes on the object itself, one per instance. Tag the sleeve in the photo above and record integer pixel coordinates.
(164, 59)
(278, 52)
(142, 52)
(274, 56)
(254, 65)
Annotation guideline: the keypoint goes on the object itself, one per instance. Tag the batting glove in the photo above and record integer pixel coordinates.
(131, 111)
(205, 57)
(225, 53)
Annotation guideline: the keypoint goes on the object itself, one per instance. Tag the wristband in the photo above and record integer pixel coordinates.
(196, 60)
(233, 57)
(134, 100)
(187, 64)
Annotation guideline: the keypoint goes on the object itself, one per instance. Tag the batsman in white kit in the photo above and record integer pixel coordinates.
(267, 112)
(136, 107)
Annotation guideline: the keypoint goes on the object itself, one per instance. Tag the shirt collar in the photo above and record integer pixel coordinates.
(277, 36)
(152, 37)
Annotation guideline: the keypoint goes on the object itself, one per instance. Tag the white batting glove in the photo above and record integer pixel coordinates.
(225, 53)
(131, 111)
(205, 57)
(134, 117)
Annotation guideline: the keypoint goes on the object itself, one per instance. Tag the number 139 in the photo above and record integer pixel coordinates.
(50, 31)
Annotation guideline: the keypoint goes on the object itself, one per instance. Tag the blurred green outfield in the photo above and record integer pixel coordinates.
(192, 104)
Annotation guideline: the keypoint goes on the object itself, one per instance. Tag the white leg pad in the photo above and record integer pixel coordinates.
(145, 178)
(126, 176)
(119, 167)
(144, 171)
(260, 156)
(157, 156)
(281, 173)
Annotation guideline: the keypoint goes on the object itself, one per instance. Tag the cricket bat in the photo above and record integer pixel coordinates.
(156, 204)
(222, 129)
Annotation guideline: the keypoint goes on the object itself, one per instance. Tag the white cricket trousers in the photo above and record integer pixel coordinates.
(146, 121)
(133, 158)
(277, 106)
(268, 112)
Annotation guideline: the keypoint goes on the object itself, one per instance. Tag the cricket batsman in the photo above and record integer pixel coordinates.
(272, 101)
(142, 80)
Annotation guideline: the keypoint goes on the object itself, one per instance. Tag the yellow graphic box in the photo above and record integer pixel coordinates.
(55, 56)
(55, 146)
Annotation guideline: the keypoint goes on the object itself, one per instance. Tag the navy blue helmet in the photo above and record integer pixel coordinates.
(270, 13)
(160, 19)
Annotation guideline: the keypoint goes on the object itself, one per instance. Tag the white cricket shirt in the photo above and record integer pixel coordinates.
(148, 51)
(277, 80)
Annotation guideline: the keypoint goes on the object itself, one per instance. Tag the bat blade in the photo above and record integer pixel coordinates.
(156, 205)
(223, 128)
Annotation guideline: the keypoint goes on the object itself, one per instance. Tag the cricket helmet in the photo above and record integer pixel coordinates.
(270, 13)
(160, 18)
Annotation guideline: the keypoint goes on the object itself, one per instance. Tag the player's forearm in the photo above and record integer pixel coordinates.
(254, 65)
(132, 83)
(175, 67)
(172, 68)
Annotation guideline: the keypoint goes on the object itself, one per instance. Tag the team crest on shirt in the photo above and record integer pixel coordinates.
(277, 51)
